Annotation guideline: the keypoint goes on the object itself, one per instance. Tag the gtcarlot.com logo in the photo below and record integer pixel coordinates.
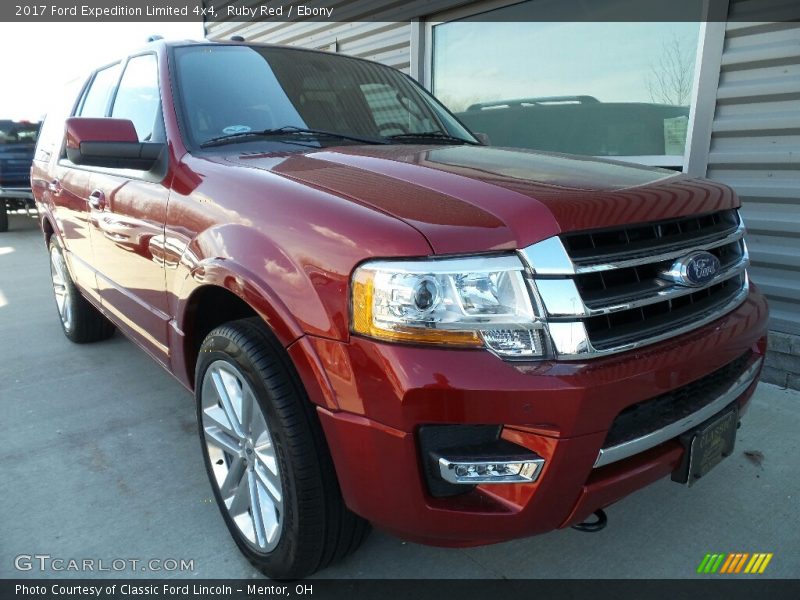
(734, 563)
(46, 562)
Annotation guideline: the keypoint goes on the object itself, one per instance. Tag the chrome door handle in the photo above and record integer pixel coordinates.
(54, 186)
(97, 200)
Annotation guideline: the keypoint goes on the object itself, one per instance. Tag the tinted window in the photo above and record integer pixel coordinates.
(137, 98)
(12, 132)
(233, 89)
(391, 112)
(95, 104)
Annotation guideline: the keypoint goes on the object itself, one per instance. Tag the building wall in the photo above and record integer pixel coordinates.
(387, 41)
(755, 148)
(755, 140)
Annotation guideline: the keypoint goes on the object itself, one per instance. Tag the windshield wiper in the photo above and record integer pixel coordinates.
(438, 136)
(283, 131)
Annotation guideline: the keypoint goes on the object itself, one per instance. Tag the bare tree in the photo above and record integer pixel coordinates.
(670, 77)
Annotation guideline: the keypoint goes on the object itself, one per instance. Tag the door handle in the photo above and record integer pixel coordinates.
(97, 200)
(54, 187)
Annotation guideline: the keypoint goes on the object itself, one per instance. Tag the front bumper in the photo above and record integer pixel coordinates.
(561, 411)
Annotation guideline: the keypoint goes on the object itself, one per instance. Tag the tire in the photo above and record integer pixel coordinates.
(81, 322)
(274, 457)
(3, 216)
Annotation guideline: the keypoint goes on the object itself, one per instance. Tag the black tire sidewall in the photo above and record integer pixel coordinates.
(220, 346)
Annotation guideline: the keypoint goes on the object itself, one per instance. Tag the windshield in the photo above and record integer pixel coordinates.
(233, 90)
(12, 132)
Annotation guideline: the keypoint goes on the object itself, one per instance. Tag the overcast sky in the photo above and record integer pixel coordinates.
(39, 57)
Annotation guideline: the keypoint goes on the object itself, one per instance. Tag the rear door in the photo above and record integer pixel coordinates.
(129, 214)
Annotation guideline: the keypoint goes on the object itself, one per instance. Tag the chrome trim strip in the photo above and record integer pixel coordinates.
(528, 474)
(670, 292)
(735, 236)
(548, 257)
(561, 297)
(581, 349)
(653, 439)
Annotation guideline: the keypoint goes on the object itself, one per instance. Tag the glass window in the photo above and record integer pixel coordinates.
(391, 112)
(595, 88)
(137, 98)
(95, 103)
(229, 90)
(18, 132)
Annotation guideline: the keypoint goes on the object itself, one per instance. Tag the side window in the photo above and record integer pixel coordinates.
(51, 134)
(138, 99)
(95, 103)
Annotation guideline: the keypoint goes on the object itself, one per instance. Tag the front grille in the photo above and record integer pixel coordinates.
(610, 287)
(653, 320)
(651, 415)
(637, 241)
(609, 290)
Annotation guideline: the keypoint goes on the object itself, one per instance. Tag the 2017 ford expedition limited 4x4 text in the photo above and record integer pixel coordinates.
(382, 319)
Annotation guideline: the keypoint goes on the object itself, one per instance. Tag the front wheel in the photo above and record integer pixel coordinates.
(266, 455)
(3, 216)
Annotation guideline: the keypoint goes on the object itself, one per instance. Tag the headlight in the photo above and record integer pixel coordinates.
(467, 302)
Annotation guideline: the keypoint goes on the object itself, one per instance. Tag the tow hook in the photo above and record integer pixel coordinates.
(593, 526)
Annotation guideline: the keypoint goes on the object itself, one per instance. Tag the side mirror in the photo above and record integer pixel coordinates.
(483, 138)
(109, 143)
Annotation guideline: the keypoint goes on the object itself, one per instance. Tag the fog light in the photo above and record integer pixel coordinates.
(511, 470)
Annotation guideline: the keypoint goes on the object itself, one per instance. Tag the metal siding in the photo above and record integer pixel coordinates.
(385, 38)
(755, 148)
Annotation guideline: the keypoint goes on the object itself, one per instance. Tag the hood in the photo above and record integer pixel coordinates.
(478, 198)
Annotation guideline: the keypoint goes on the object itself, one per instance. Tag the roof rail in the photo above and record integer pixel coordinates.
(534, 101)
(154, 38)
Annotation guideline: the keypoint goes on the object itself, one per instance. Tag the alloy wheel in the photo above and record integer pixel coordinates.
(242, 455)
(60, 276)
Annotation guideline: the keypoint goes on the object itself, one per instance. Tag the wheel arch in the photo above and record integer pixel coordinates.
(48, 229)
(221, 294)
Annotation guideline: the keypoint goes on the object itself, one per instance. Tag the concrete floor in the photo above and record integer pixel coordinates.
(99, 458)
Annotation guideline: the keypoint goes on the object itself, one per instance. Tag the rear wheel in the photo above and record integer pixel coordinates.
(266, 455)
(82, 323)
(3, 216)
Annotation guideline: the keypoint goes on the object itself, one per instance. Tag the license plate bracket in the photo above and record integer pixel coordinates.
(706, 445)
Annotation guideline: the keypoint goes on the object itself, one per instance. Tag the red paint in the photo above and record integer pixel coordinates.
(86, 129)
(284, 231)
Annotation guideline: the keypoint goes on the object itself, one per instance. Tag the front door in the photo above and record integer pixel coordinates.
(128, 211)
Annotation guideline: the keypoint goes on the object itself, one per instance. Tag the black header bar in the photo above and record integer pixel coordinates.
(389, 10)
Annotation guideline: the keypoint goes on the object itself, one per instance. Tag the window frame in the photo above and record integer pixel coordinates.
(78, 109)
(161, 168)
(160, 112)
(704, 85)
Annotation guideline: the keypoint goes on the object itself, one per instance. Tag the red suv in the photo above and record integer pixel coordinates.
(384, 320)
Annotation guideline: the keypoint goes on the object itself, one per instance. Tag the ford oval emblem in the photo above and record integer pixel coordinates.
(694, 270)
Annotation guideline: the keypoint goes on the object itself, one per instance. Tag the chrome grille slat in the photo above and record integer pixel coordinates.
(651, 292)
(617, 305)
(736, 235)
(634, 241)
(673, 317)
